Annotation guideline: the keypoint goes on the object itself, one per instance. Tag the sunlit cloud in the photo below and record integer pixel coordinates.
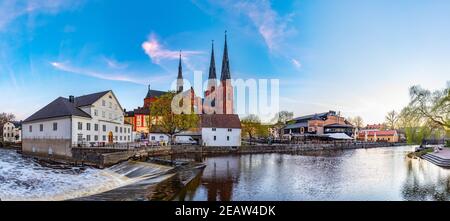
(112, 76)
(157, 52)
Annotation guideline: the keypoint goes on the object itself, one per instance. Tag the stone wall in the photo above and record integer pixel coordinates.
(57, 148)
(104, 157)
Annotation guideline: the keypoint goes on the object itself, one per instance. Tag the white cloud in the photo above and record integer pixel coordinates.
(274, 28)
(12, 9)
(121, 76)
(114, 64)
(296, 63)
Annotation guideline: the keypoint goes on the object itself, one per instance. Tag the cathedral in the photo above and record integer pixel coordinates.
(215, 108)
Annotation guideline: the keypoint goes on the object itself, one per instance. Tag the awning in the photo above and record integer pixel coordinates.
(339, 136)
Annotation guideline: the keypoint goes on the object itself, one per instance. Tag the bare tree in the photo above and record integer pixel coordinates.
(4, 118)
(391, 120)
(357, 122)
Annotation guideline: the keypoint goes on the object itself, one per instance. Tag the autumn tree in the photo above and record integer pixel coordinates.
(171, 122)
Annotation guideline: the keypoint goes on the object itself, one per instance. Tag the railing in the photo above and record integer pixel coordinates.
(115, 146)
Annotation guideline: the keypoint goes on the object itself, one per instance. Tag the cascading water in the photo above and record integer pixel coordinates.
(24, 179)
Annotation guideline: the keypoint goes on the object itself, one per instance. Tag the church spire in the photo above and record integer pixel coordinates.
(212, 65)
(180, 69)
(225, 62)
(180, 76)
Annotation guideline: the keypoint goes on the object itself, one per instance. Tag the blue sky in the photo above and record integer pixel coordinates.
(357, 57)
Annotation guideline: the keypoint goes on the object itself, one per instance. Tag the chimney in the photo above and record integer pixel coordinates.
(124, 110)
(71, 99)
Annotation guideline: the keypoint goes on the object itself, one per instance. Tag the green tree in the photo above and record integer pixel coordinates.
(432, 106)
(172, 123)
(251, 125)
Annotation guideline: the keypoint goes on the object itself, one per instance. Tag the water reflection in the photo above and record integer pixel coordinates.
(363, 174)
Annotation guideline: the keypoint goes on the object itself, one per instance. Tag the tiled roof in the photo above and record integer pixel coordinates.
(220, 121)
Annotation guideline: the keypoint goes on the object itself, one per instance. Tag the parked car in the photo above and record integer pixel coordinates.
(185, 140)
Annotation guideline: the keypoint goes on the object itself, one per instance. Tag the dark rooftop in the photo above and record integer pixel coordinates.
(60, 107)
(154, 93)
(220, 120)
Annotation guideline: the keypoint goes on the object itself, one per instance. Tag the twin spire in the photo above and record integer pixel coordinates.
(225, 75)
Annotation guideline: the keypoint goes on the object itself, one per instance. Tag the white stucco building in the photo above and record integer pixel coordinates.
(222, 130)
(12, 132)
(94, 120)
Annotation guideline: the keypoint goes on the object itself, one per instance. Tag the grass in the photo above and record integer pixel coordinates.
(420, 153)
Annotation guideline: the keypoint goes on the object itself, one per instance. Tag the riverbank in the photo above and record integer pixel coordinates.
(103, 157)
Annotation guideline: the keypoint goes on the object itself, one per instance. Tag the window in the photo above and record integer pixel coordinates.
(96, 127)
(31, 128)
(215, 138)
(88, 126)
(153, 137)
(95, 112)
(104, 128)
(88, 137)
(80, 126)
(214, 129)
(117, 129)
(121, 130)
(104, 137)
(95, 138)
(120, 138)
(229, 129)
(228, 138)
(55, 126)
(103, 103)
(103, 114)
(41, 127)
(129, 138)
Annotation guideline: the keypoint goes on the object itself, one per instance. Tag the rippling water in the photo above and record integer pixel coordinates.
(24, 179)
(363, 174)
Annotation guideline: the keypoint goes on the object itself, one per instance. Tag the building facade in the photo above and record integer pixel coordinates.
(319, 125)
(390, 136)
(12, 132)
(221, 130)
(94, 120)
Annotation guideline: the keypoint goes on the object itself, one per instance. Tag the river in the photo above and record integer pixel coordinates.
(377, 174)
(362, 174)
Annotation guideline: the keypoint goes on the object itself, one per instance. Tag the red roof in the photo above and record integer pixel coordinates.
(378, 133)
